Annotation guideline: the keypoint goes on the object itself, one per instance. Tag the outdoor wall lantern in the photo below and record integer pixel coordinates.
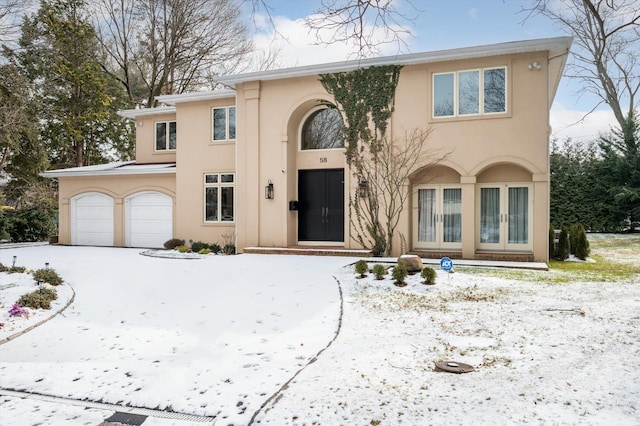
(535, 65)
(268, 191)
(363, 188)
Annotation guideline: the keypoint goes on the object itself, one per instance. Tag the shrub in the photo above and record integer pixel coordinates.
(204, 251)
(563, 244)
(379, 271)
(196, 246)
(17, 270)
(182, 249)
(215, 248)
(552, 242)
(361, 268)
(39, 299)
(399, 274)
(581, 249)
(229, 248)
(47, 276)
(3, 268)
(173, 243)
(28, 224)
(429, 275)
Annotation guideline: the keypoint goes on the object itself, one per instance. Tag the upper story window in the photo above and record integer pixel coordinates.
(224, 123)
(322, 130)
(165, 135)
(472, 92)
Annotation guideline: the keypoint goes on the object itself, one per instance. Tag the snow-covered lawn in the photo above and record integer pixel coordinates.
(220, 335)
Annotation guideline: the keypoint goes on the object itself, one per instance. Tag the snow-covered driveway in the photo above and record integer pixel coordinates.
(214, 336)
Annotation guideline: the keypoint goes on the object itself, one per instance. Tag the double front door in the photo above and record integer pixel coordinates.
(321, 205)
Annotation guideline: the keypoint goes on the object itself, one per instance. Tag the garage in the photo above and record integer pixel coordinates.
(92, 219)
(149, 219)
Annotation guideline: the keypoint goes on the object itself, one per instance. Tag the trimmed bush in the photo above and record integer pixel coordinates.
(429, 275)
(49, 276)
(39, 299)
(581, 249)
(362, 268)
(400, 274)
(182, 249)
(196, 246)
(563, 244)
(215, 248)
(204, 251)
(379, 271)
(173, 243)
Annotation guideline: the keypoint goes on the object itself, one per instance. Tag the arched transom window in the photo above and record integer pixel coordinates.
(323, 130)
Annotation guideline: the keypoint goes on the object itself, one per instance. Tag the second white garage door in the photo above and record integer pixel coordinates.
(149, 219)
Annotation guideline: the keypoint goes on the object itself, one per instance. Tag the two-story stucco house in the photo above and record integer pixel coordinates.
(232, 161)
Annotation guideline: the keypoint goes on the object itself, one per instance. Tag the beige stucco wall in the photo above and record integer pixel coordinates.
(145, 140)
(270, 114)
(197, 155)
(118, 187)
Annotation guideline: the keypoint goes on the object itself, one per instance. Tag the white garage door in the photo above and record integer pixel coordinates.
(149, 219)
(92, 220)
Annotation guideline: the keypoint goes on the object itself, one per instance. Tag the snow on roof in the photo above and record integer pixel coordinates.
(117, 168)
(132, 114)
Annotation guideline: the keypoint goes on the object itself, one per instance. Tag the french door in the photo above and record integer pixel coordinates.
(505, 217)
(437, 218)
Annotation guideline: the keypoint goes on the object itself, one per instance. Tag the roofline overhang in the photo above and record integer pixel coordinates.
(555, 46)
(133, 114)
(196, 96)
(117, 171)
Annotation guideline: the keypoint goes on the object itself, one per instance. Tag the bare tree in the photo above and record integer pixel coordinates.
(158, 47)
(384, 188)
(368, 24)
(606, 48)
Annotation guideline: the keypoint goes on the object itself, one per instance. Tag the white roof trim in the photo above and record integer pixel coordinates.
(132, 114)
(196, 96)
(118, 168)
(555, 45)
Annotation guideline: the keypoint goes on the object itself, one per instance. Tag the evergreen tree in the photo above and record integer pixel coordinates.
(619, 172)
(58, 50)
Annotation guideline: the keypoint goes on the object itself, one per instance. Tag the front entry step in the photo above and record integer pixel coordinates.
(310, 251)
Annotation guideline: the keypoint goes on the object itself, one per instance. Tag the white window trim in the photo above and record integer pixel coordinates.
(167, 134)
(226, 124)
(218, 185)
(480, 94)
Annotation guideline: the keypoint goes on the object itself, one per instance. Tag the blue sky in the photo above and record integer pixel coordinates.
(444, 24)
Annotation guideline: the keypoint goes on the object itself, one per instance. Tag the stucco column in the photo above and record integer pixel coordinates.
(468, 216)
(540, 230)
(118, 223)
(64, 221)
(248, 186)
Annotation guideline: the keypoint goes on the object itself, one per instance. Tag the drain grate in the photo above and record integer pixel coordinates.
(453, 367)
(112, 407)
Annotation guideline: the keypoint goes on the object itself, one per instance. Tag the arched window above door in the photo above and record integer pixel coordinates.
(322, 129)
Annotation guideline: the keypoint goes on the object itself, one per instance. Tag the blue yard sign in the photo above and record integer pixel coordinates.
(446, 264)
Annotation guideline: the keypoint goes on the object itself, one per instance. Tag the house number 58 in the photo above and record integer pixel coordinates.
(323, 159)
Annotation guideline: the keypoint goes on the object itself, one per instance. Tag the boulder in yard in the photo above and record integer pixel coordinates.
(411, 261)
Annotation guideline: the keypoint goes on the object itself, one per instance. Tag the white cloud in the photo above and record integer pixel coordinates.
(578, 126)
(299, 46)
